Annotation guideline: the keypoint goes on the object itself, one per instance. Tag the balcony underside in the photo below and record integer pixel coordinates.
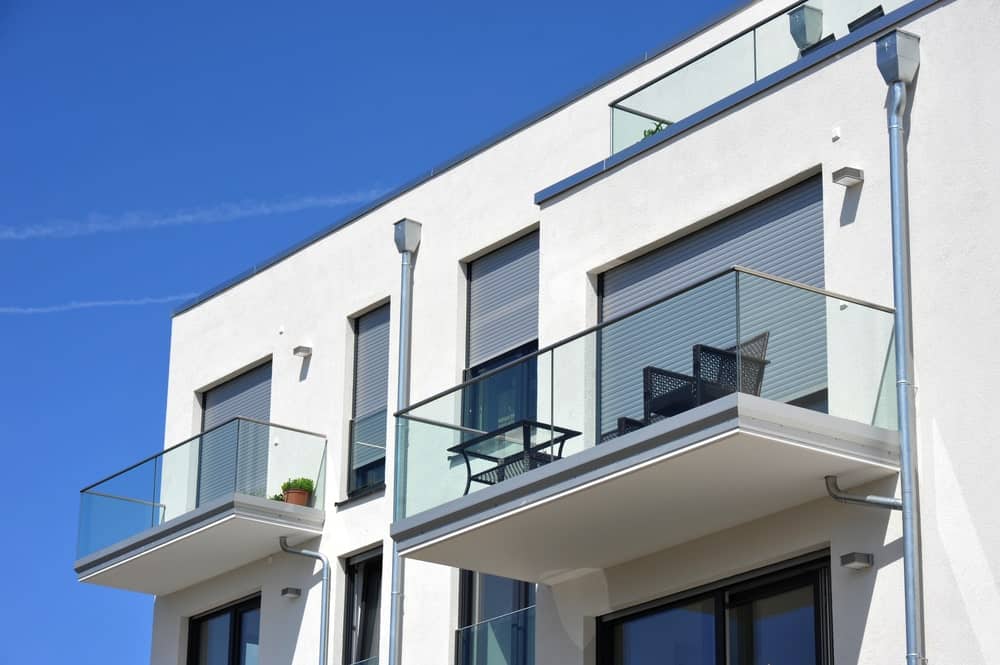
(728, 462)
(199, 545)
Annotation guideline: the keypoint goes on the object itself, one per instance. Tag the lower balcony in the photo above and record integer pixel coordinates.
(505, 640)
(717, 405)
(200, 509)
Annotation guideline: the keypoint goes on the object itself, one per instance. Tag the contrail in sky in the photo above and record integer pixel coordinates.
(136, 221)
(90, 304)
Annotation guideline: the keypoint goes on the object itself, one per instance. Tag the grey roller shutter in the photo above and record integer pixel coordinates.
(371, 387)
(246, 396)
(503, 300)
(783, 236)
(233, 455)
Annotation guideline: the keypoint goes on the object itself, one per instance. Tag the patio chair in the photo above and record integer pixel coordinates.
(667, 393)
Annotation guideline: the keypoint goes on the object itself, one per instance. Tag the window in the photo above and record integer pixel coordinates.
(779, 617)
(228, 636)
(371, 394)
(364, 593)
(233, 454)
(496, 624)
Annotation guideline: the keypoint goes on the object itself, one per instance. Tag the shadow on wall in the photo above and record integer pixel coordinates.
(567, 612)
(287, 621)
(854, 589)
(849, 209)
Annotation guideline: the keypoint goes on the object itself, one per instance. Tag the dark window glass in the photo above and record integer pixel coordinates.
(228, 636)
(364, 593)
(213, 643)
(496, 622)
(777, 629)
(371, 390)
(680, 635)
(250, 637)
(778, 618)
(506, 397)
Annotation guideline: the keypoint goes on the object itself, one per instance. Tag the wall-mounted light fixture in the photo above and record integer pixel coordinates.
(291, 592)
(806, 25)
(857, 560)
(302, 351)
(848, 176)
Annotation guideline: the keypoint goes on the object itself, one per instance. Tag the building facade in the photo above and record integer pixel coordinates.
(646, 325)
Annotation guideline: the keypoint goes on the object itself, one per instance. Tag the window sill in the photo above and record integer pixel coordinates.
(360, 495)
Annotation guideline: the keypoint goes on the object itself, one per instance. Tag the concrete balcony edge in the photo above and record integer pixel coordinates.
(689, 430)
(300, 522)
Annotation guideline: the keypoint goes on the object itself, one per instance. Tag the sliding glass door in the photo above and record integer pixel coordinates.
(778, 618)
(227, 636)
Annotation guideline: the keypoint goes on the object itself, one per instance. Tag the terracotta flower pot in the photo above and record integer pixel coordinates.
(297, 497)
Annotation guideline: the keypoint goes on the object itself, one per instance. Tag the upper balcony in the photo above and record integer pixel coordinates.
(200, 508)
(738, 63)
(716, 405)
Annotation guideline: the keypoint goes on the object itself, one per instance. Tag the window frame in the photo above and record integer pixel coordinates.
(747, 587)
(354, 489)
(235, 610)
(353, 604)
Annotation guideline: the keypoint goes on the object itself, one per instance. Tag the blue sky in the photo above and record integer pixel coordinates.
(149, 151)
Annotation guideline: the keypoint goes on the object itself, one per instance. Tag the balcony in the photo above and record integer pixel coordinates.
(716, 405)
(505, 640)
(200, 508)
(736, 64)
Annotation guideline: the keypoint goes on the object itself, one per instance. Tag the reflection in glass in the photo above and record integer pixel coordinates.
(213, 641)
(779, 629)
(250, 637)
(679, 635)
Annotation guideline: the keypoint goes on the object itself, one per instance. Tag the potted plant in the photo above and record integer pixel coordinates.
(277, 497)
(298, 491)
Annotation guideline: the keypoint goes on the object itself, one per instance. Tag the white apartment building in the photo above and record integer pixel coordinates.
(647, 325)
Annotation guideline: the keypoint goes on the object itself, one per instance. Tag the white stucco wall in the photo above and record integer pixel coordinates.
(307, 299)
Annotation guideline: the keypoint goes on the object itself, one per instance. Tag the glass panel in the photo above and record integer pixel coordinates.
(739, 331)
(682, 635)
(118, 508)
(748, 58)
(250, 637)
(816, 351)
(368, 436)
(775, 630)
(213, 640)
(371, 595)
(505, 640)
(240, 456)
(363, 603)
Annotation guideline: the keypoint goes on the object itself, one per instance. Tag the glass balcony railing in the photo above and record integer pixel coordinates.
(367, 452)
(739, 62)
(240, 456)
(505, 640)
(741, 330)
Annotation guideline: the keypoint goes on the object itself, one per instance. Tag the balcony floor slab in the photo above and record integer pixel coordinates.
(726, 463)
(207, 542)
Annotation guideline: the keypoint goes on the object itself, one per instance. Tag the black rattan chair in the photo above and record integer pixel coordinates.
(666, 393)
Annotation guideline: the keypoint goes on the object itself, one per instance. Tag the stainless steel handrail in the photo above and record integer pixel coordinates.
(604, 324)
(195, 437)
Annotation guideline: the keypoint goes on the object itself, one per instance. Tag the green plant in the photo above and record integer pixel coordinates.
(305, 484)
(278, 497)
(658, 127)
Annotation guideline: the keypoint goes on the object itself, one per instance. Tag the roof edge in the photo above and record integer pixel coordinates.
(817, 58)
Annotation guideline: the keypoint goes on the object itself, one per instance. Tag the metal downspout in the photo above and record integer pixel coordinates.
(905, 392)
(407, 238)
(870, 500)
(324, 613)
(898, 58)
